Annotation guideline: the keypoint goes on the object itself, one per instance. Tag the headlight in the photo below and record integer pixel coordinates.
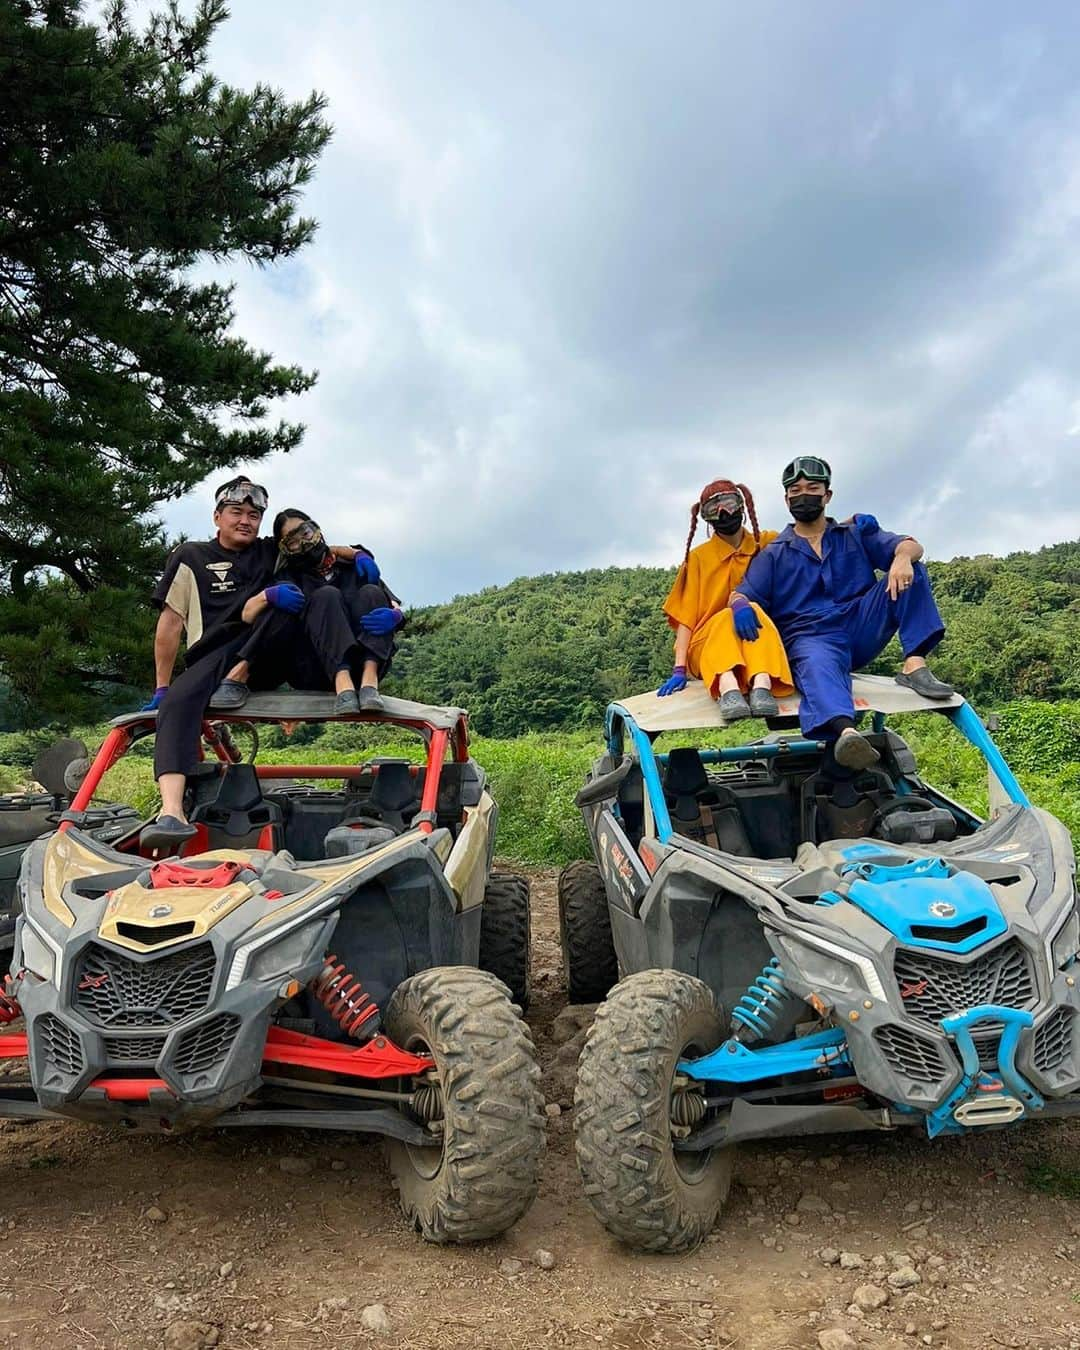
(822, 969)
(1066, 943)
(283, 958)
(37, 957)
(275, 956)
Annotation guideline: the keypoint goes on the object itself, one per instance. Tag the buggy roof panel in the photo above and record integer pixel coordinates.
(316, 706)
(693, 707)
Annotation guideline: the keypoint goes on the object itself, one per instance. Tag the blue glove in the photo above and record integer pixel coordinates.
(675, 681)
(286, 596)
(746, 621)
(367, 569)
(155, 701)
(382, 620)
(865, 524)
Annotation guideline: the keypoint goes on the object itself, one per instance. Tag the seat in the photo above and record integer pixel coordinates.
(701, 810)
(394, 797)
(237, 815)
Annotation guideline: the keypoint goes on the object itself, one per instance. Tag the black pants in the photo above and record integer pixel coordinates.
(305, 650)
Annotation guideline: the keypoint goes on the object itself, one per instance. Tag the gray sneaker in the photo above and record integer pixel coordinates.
(370, 699)
(854, 751)
(346, 702)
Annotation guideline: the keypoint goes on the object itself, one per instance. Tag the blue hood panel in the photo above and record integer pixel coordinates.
(924, 902)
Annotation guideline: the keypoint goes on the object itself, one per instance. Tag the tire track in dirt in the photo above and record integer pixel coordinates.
(136, 1241)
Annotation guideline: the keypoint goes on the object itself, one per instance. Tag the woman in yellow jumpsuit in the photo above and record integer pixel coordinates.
(716, 643)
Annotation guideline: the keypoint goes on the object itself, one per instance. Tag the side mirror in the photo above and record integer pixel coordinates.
(50, 767)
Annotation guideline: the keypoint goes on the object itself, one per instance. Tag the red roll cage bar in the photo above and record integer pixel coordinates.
(438, 738)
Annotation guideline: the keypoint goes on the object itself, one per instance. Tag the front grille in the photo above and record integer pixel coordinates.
(1053, 1041)
(134, 1048)
(60, 1044)
(910, 1055)
(933, 987)
(113, 990)
(204, 1047)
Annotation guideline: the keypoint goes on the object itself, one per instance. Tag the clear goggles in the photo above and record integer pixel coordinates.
(302, 538)
(720, 503)
(810, 467)
(237, 494)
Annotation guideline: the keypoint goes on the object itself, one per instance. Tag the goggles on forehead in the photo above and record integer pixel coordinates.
(810, 467)
(720, 502)
(301, 538)
(236, 494)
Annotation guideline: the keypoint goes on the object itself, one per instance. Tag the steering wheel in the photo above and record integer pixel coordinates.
(895, 804)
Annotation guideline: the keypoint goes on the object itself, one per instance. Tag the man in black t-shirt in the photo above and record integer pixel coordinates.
(206, 582)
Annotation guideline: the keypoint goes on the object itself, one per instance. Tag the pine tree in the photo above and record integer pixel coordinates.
(123, 163)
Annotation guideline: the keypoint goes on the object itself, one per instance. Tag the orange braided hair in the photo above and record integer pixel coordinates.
(710, 490)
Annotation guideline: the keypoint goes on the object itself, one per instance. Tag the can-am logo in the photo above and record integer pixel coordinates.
(941, 909)
(160, 911)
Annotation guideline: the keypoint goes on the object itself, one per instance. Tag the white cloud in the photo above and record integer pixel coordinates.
(572, 264)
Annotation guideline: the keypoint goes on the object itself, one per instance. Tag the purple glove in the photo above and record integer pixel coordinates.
(286, 596)
(382, 620)
(675, 681)
(746, 621)
(367, 569)
(155, 701)
(865, 524)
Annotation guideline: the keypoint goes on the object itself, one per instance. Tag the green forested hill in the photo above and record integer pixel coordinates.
(552, 651)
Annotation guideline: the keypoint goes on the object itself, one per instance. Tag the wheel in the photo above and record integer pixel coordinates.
(486, 1174)
(641, 1190)
(504, 934)
(585, 931)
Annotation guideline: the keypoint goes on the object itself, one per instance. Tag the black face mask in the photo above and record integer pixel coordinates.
(727, 522)
(807, 507)
(312, 560)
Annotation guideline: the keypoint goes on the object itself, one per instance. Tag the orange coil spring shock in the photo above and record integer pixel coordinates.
(344, 997)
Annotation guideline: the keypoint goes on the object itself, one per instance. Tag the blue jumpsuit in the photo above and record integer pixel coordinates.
(835, 616)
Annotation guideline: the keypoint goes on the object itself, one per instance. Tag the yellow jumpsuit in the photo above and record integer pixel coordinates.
(699, 600)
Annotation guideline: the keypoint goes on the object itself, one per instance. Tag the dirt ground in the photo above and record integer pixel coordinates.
(135, 1241)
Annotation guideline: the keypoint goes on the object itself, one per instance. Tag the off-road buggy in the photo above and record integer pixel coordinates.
(335, 955)
(804, 951)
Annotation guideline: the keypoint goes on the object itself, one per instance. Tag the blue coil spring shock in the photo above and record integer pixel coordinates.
(760, 1008)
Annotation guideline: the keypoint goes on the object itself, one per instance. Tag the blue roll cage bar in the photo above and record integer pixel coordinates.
(618, 722)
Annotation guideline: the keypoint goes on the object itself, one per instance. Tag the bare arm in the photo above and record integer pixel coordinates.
(170, 625)
(682, 644)
(910, 549)
(902, 572)
(253, 607)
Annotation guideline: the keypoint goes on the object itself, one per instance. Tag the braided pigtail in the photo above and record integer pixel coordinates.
(694, 510)
(751, 510)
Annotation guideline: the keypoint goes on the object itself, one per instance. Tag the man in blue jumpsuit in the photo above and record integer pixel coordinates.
(817, 582)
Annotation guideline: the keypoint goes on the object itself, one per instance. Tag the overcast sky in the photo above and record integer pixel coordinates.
(576, 260)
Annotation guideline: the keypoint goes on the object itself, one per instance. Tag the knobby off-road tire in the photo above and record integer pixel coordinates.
(504, 934)
(642, 1191)
(589, 961)
(486, 1174)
